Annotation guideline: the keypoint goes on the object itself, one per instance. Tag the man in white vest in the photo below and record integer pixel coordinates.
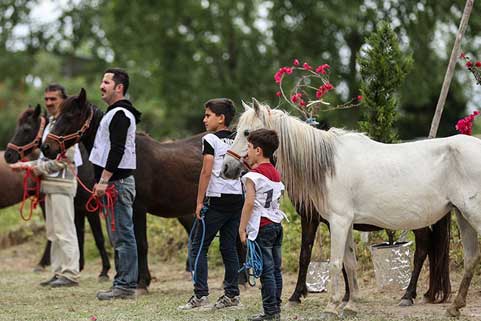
(114, 160)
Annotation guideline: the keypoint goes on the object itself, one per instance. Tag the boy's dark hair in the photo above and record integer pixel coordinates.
(266, 139)
(222, 106)
(57, 87)
(120, 77)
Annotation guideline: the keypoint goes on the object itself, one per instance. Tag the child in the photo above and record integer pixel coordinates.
(220, 202)
(261, 217)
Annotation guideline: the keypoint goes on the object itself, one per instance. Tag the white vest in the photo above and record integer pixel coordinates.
(77, 156)
(101, 149)
(217, 184)
(266, 203)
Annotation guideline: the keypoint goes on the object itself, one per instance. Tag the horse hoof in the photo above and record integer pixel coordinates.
(406, 302)
(427, 300)
(141, 291)
(39, 269)
(453, 312)
(103, 278)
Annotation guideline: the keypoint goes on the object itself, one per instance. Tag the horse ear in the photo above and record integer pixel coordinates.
(82, 97)
(37, 111)
(246, 107)
(256, 106)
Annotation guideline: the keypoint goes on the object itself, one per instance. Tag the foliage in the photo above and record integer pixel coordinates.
(383, 67)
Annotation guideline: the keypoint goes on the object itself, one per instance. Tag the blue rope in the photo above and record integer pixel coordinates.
(253, 264)
(189, 247)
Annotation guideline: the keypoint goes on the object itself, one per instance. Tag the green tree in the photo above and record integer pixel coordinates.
(383, 68)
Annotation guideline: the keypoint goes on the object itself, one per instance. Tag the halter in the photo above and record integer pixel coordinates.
(239, 158)
(61, 140)
(21, 150)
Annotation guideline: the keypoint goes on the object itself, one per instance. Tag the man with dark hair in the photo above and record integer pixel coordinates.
(114, 159)
(59, 186)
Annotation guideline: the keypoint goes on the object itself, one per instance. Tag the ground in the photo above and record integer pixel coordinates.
(21, 298)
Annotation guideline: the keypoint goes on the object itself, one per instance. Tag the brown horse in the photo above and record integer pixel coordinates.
(179, 164)
(22, 145)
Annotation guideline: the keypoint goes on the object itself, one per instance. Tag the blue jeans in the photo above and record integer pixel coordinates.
(228, 225)
(123, 238)
(270, 242)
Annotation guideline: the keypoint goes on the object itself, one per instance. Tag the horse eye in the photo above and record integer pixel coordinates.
(246, 132)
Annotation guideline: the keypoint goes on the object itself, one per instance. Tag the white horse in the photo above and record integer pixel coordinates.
(350, 179)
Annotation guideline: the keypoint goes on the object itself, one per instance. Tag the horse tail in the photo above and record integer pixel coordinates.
(439, 283)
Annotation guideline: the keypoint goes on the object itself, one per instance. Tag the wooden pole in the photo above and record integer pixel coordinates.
(450, 71)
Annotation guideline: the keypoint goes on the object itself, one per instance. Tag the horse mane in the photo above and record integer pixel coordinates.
(305, 157)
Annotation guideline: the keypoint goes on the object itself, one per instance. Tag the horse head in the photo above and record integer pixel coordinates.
(70, 126)
(254, 117)
(27, 136)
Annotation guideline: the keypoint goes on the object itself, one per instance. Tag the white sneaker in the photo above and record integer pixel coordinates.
(226, 302)
(195, 302)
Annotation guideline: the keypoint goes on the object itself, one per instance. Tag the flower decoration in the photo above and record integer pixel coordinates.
(465, 125)
(475, 67)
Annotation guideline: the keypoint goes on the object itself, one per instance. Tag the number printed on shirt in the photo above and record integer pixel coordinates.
(269, 194)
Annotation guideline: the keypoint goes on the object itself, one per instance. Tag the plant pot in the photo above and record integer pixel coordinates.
(392, 264)
(317, 277)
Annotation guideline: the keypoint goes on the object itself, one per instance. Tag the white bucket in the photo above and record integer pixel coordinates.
(392, 264)
(317, 277)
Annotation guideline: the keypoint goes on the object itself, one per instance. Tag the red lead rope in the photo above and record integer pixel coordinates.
(35, 198)
(94, 203)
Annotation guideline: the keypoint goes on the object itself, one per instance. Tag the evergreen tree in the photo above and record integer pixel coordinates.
(383, 68)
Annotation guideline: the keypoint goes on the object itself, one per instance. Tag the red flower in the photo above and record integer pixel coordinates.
(469, 64)
(306, 66)
(478, 64)
(296, 62)
(462, 56)
(278, 94)
(359, 98)
(465, 125)
(322, 69)
(302, 103)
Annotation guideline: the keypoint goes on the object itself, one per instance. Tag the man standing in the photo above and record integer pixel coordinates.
(59, 185)
(114, 159)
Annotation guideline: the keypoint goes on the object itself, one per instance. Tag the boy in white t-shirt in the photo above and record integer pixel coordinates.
(261, 217)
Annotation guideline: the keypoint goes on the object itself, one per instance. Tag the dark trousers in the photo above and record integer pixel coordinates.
(227, 222)
(270, 242)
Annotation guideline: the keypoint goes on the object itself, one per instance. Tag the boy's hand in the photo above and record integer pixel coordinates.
(18, 166)
(243, 236)
(35, 171)
(198, 209)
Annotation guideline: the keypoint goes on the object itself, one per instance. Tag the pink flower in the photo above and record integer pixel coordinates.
(294, 98)
(306, 66)
(296, 62)
(469, 64)
(322, 69)
(302, 103)
(359, 98)
(93, 318)
(321, 91)
(465, 125)
(462, 56)
(478, 64)
(278, 94)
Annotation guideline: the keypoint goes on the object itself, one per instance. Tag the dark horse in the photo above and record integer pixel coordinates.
(175, 190)
(24, 144)
(26, 131)
(166, 176)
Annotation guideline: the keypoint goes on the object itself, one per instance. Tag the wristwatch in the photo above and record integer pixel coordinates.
(103, 181)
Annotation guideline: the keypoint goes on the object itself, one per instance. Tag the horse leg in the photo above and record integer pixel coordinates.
(186, 221)
(140, 229)
(469, 238)
(309, 227)
(80, 229)
(340, 227)
(96, 228)
(349, 270)
(423, 245)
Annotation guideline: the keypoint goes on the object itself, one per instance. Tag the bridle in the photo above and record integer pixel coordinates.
(239, 158)
(61, 140)
(37, 141)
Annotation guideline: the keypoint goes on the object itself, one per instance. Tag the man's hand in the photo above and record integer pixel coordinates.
(18, 166)
(198, 209)
(35, 171)
(99, 189)
(243, 236)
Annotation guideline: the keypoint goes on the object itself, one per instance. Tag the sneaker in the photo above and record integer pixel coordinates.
(116, 293)
(225, 302)
(61, 282)
(47, 282)
(262, 317)
(195, 302)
